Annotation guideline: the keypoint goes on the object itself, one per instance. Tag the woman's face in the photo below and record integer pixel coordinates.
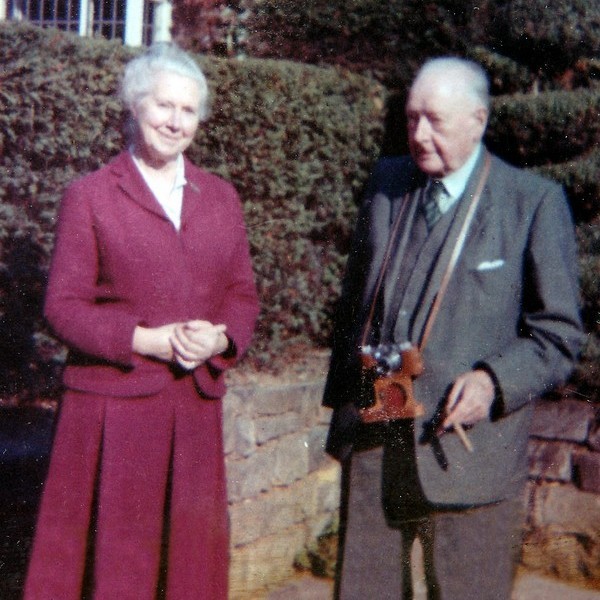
(167, 117)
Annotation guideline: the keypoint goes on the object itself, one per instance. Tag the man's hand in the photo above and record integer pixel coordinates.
(470, 399)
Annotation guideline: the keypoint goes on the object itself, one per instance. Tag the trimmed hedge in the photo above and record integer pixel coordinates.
(358, 34)
(582, 182)
(557, 45)
(589, 245)
(295, 140)
(550, 127)
(549, 37)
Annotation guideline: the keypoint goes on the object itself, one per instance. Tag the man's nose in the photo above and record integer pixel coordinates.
(421, 129)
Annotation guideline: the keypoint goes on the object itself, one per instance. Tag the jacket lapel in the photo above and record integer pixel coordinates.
(436, 273)
(192, 192)
(132, 184)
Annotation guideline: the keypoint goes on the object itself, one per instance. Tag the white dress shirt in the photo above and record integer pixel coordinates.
(456, 182)
(171, 201)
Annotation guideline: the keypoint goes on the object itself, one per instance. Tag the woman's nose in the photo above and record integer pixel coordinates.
(175, 119)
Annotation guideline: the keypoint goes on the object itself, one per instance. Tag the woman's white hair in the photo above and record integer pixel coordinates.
(140, 73)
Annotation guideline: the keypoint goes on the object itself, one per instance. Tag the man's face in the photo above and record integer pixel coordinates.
(445, 123)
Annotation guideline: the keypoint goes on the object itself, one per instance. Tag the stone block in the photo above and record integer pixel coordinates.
(317, 525)
(229, 439)
(291, 459)
(325, 415)
(248, 477)
(317, 456)
(594, 437)
(550, 460)
(328, 487)
(264, 515)
(235, 401)
(276, 426)
(568, 420)
(314, 491)
(257, 567)
(283, 507)
(587, 471)
(309, 403)
(563, 536)
(245, 436)
(231, 408)
(564, 508)
(562, 555)
(275, 400)
(315, 497)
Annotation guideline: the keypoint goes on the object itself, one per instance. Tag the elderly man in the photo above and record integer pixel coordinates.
(473, 262)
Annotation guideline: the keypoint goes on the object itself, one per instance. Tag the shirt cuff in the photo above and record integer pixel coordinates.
(222, 361)
(497, 407)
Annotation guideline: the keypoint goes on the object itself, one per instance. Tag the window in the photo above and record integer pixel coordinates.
(110, 19)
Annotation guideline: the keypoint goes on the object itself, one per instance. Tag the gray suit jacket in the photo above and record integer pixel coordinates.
(511, 306)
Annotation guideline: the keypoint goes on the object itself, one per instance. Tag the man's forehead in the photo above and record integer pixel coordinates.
(438, 91)
(444, 80)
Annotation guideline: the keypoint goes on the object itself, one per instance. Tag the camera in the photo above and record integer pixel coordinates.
(387, 372)
(388, 357)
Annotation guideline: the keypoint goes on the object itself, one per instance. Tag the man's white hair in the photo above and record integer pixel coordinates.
(469, 73)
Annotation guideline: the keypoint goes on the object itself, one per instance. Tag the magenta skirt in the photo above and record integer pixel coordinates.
(148, 476)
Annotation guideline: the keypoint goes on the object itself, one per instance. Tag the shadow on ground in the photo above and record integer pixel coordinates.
(25, 440)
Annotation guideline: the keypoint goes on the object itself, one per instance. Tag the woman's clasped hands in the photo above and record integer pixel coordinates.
(197, 341)
(188, 344)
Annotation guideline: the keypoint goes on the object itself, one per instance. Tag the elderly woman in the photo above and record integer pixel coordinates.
(152, 290)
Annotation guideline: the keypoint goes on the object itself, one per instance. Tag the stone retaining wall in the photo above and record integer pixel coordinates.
(562, 535)
(284, 490)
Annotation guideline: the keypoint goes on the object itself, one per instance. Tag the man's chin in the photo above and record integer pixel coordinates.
(430, 166)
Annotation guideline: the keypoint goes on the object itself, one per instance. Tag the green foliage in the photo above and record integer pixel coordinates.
(296, 142)
(360, 34)
(581, 180)
(589, 245)
(507, 76)
(58, 119)
(320, 556)
(550, 127)
(549, 36)
(588, 374)
(548, 40)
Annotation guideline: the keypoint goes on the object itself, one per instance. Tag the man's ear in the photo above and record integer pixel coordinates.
(481, 116)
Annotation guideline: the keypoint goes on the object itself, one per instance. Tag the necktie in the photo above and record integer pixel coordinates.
(431, 205)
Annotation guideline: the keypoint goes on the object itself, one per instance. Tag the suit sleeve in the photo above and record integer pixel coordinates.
(342, 383)
(550, 333)
(343, 368)
(104, 331)
(240, 306)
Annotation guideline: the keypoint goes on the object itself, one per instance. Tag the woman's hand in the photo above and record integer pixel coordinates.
(154, 342)
(195, 342)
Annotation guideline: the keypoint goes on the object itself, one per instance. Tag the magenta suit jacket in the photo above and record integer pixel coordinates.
(119, 262)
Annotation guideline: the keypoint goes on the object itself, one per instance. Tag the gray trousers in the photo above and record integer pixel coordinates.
(469, 554)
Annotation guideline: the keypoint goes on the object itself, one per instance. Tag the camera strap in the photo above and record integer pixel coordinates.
(456, 252)
(386, 260)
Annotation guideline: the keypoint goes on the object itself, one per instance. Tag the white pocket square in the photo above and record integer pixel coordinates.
(488, 265)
